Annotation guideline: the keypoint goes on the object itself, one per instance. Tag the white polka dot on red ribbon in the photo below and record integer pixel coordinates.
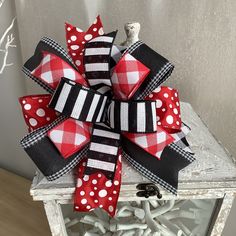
(36, 112)
(93, 191)
(76, 40)
(167, 108)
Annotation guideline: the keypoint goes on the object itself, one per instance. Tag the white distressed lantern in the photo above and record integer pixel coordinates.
(205, 195)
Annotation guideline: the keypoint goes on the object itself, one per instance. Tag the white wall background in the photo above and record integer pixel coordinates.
(197, 36)
(12, 86)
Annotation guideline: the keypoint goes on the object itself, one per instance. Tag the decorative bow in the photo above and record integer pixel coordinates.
(111, 105)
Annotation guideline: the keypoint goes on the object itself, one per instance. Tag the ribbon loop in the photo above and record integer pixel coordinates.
(81, 103)
(103, 151)
(133, 116)
(97, 59)
(145, 126)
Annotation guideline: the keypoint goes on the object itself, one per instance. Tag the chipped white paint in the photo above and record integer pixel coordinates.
(212, 175)
(212, 169)
(223, 213)
(55, 218)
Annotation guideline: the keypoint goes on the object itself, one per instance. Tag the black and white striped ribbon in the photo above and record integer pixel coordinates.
(78, 102)
(85, 104)
(133, 116)
(97, 58)
(103, 151)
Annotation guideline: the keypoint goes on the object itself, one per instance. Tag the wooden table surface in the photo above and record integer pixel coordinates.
(19, 215)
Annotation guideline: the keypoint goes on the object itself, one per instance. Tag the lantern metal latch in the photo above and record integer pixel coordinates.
(148, 190)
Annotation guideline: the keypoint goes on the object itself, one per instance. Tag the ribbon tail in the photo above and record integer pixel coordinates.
(181, 140)
(103, 151)
(164, 171)
(96, 191)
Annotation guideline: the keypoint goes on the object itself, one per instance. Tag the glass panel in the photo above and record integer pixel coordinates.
(149, 217)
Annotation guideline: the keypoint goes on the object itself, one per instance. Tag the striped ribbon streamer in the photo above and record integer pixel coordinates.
(97, 59)
(103, 151)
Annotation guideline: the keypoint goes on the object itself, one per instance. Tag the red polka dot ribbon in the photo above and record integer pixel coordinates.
(36, 112)
(167, 108)
(96, 191)
(76, 39)
(104, 115)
